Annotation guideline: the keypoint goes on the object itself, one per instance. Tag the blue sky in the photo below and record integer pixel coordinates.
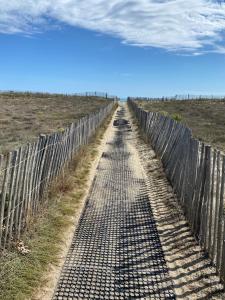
(144, 51)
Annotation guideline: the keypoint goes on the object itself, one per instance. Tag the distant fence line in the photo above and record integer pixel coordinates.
(182, 98)
(197, 174)
(86, 94)
(25, 174)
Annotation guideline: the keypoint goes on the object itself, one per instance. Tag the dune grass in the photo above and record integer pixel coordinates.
(23, 116)
(205, 118)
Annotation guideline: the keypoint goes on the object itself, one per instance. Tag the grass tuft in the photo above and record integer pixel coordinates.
(176, 117)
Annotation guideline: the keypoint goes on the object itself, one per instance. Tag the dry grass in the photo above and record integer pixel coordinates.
(24, 116)
(206, 119)
(21, 275)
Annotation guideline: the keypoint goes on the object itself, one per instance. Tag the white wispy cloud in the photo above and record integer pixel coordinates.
(188, 26)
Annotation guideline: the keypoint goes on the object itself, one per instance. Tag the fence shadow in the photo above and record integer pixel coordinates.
(142, 272)
(192, 273)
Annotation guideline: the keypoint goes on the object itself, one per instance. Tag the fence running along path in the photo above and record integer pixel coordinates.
(197, 174)
(25, 174)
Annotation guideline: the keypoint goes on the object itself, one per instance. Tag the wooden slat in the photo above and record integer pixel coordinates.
(11, 199)
(217, 201)
(220, 234)
(16, 196)
(4, 195)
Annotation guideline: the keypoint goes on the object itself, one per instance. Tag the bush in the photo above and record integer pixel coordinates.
(176, 117)
(164, 113)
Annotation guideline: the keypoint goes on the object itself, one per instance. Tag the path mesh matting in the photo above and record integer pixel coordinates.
(116, 251)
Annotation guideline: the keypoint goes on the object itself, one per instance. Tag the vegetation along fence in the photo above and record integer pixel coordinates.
(26, 173)
(197, 174)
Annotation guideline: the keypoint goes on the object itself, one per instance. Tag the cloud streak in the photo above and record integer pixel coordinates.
(186, 26)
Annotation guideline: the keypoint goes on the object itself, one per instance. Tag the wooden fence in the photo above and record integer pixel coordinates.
(39, 94)
(26, 173)
(200, 98)
(197, 174)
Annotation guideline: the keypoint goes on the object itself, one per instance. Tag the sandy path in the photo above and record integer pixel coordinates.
(116, 251)
(132, 241)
